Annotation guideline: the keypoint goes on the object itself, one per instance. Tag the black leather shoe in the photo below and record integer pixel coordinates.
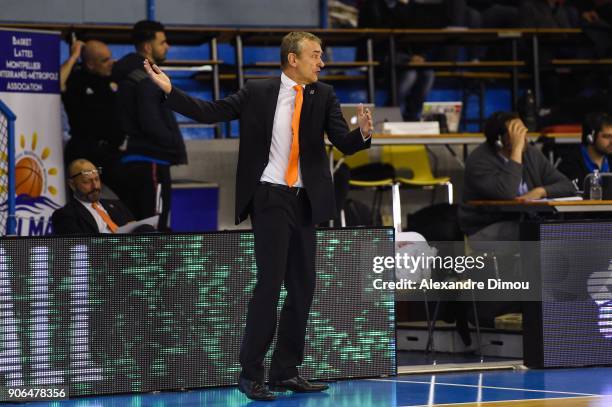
(297, 384)
(255, 390)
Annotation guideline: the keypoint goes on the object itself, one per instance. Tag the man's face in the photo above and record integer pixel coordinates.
(308, 62)
(603, 141)
(101, 62)
(85, 183)
(159, 47)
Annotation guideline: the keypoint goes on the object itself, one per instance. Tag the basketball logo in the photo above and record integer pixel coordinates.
(31, 172)
(36, 177)
(28, 178)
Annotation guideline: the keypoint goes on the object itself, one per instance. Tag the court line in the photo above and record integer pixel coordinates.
(478, 403)
(485, 387)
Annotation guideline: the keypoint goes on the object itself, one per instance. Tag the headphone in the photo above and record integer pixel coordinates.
(590, 138)
(499, 142)
(495, 129)
(592, 125)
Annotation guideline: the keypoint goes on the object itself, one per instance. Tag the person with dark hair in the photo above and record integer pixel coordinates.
(154, 140)
(506, 167)
(593, 11)
(594, 153)
(89, 97)
(415, 84)
(497, 13)
(595, 18)
(284, 184)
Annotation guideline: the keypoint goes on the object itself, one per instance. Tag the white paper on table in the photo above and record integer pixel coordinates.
(562, 199)
(130, 226)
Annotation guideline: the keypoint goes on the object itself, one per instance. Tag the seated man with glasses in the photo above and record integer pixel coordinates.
(86, 213)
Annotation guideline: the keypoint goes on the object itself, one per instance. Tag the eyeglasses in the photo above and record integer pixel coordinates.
(88, 173)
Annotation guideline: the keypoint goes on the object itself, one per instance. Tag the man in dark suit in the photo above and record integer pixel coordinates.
(285, 186)
(87, 213)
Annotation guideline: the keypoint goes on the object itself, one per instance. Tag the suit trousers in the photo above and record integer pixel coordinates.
(285, 250)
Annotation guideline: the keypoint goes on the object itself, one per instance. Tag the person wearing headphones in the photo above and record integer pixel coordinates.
(594, 152)
(506, 167)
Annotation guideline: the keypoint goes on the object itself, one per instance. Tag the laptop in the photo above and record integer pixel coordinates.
(349, 112)
(450, 110)
(386, 115)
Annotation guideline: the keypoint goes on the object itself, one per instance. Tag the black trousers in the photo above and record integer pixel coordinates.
(140, 191)
(285, 250)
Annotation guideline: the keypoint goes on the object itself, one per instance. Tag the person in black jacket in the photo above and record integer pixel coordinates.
(593, 11)
(284, 184)
(154, 138)
(595, 18)
(89, 94)
(86, 213)
(414, 84)
(595, 151)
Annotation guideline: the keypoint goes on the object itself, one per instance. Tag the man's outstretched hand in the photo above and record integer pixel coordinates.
(158, 77)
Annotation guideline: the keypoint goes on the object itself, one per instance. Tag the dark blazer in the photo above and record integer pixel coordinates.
(74, 218)
(255, 105)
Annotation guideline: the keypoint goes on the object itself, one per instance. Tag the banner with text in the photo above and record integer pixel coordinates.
(29, 85)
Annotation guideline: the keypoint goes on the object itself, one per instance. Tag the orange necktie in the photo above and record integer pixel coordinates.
(109, 222)
(291, 175)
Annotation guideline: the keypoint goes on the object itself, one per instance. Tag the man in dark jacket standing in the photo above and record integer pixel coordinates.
(154, 139)
(89, 95)
(284, 184)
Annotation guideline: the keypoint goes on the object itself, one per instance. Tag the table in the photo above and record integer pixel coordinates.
(516, 205)
(446, 139)
(464, 139)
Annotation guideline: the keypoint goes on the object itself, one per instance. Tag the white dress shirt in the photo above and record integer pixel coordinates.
(102, 226)
(278, 160)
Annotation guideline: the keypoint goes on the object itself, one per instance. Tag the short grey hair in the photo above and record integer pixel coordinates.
(292, 44)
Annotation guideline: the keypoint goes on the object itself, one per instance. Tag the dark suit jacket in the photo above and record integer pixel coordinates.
(255, 105)
(74, 218)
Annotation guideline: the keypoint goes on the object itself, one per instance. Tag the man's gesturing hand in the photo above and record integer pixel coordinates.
(364, 118)
(76, 48)
(158, 77)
